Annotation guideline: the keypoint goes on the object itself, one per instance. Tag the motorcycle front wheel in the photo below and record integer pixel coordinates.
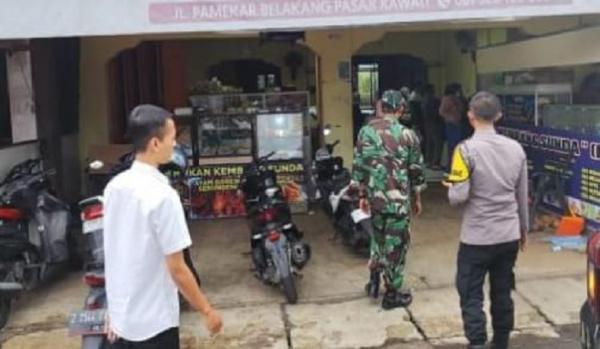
(289, 288)
(5, 307)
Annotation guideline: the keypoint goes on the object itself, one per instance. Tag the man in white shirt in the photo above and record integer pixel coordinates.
(145, 233)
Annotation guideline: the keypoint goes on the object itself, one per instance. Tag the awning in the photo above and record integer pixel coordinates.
(57, 18)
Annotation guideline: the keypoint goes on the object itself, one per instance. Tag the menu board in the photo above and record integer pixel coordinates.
(211, 191)
(590, 185)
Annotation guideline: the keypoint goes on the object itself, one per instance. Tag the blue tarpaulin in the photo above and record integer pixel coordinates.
(567, 243)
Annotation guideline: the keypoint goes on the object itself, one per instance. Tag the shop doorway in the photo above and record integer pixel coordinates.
(234, 99)
(373, 74)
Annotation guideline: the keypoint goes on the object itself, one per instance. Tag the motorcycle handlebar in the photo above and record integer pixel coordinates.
(331, 147)
(21, 169)
(266, 157)
(25, 168)
(26, 181)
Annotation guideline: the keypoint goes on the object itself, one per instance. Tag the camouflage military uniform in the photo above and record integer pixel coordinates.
(388, 161)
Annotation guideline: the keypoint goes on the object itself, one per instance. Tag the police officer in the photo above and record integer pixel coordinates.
(488, 176)
(388, 164)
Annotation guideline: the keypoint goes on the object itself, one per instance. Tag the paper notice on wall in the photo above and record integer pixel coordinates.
(20, 91)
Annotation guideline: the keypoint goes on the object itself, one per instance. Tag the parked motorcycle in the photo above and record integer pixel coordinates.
(550, 186)
(330, 174)
(33, 233)
(340, 200)
(277, 247)
(89, 323)
(351, 222)
(258, 184)
(256, 178)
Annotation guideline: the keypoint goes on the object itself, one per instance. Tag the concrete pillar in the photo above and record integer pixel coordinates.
(334, 47)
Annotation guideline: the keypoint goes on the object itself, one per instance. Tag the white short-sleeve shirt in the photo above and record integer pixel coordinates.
(143, 223)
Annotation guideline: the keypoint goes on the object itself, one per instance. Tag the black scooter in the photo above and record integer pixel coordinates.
(330, 174)
(351, 223)
(258, 185)
(34, 228)
(277, 247)
(340, 200)
(89, 323)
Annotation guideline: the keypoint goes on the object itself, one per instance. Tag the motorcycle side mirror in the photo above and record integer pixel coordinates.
(96, 165)
(271, 192)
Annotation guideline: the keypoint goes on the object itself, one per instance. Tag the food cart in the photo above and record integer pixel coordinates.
(222, 133)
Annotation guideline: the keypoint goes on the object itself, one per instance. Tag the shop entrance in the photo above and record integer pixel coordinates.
(373, 74)
(234, 100)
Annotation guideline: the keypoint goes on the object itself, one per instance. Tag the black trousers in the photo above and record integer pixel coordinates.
(473, 263)
(168, 339)
(434, 143)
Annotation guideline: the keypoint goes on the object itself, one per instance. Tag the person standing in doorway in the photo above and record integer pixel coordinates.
(488, 176)
(145, 233)
(388, 167)
(452, 110)
(434, 128)
(415, 105)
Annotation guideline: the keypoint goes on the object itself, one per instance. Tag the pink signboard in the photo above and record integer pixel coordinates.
(165, 12)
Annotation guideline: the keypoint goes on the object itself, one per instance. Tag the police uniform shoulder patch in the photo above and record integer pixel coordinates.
(459, 171)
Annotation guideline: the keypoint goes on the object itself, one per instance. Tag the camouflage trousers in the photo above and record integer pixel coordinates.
(389, 245)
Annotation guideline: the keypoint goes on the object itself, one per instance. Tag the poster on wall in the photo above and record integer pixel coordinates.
(20, 91)
(554, 151)
(210, 191)
(291, 178)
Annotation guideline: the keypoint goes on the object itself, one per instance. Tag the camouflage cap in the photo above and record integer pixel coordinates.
(393, 99)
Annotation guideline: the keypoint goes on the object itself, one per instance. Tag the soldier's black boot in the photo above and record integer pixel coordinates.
(372, 287)
(396, 299)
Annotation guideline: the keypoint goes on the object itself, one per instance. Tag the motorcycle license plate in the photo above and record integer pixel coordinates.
(87, 322)
(92, 225)
(359, 215)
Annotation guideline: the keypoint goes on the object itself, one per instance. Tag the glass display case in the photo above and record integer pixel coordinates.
(225, 135)
(252, 103)
(231, 128)
(280, 133)
(577, 118)
(523, 103)
(226, 131)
